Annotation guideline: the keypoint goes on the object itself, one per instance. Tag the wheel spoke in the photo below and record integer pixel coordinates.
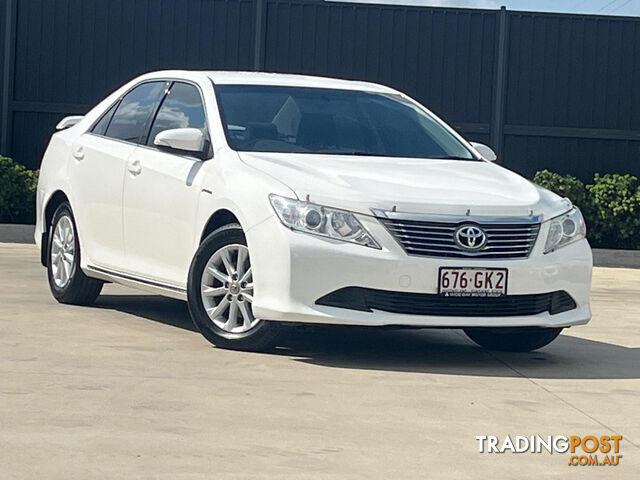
(232, 321)
(61, 271)
(247, 316)
(219, 309)
(246, 276)
(57, 274)
(214, 291)
(242, 258)
(218, 274)
(248, 297)
(67, 269)
(224, 255)
(68, 257)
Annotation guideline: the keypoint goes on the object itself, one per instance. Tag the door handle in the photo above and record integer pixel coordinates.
(78, 153)
(134, 167)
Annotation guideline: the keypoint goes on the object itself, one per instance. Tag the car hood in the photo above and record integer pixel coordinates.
(361, 183)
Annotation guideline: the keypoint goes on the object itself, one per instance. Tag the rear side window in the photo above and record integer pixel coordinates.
(181, 108)
(130, 121)
(100, 128)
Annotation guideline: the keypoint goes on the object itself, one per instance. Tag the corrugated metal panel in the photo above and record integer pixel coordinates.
(580, 157)
(574, 71)
(31, 133)
(76, 51)
(3, 20)
(3, 9)
(565, 74)
(442, 57)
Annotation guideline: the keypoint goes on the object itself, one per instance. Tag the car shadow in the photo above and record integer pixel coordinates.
(152, 307)
(436, 351)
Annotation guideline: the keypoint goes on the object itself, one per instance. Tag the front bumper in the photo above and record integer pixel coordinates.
(292, 270)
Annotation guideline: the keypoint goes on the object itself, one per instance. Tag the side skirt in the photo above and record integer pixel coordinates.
(139, 283)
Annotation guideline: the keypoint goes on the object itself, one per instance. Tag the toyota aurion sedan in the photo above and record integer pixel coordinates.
(264, 199)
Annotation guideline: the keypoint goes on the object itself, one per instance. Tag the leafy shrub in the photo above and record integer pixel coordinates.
(616, 210)
(610, 205)
(565, 186)
(17, 192)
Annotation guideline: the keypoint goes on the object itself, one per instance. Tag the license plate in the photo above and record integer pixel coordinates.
(472, 282)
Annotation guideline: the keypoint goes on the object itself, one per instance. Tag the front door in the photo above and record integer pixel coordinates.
(161, 193)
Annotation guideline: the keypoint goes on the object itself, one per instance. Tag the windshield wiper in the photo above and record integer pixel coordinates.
(350, 152)
(451, 157)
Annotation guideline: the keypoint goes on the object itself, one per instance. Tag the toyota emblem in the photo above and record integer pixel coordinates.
(470, 237)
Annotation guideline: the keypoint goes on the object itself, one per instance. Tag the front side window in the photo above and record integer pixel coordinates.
(130, 121)
(319, 120)
(181, 108)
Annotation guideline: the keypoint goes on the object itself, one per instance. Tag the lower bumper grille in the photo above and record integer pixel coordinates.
(367, 300)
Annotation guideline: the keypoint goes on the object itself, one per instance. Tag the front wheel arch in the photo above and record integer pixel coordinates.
(218, 219)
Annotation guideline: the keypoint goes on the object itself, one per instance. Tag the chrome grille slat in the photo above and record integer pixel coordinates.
(436, 239)
(446, 239)
(472, 254)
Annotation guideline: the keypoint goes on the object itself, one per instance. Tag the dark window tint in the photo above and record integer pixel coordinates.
(101, 127)
(131, 118)
(319, 120)
(181, 108)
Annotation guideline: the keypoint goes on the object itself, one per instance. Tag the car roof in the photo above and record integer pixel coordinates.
(277, 79)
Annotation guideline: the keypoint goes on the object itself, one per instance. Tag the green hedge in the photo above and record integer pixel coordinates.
(610, 205)
(17, 192)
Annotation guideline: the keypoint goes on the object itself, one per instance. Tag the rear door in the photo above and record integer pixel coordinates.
(161, 193)
(97, 172)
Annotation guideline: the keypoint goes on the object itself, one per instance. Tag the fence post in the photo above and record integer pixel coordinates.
(7, 72)
(260, 30)
(499, 89)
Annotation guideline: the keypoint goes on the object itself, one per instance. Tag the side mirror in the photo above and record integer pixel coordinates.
(487, 153)
(68, 122)
(183, 140)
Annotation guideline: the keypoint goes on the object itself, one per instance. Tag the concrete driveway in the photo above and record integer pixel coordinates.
(128, 389)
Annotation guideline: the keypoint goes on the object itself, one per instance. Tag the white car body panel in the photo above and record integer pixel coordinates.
(143, 229)
(97, 193)
(159, 208)
(411, 185)
(304, 268)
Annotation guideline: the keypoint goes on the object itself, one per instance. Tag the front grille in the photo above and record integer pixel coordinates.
(367, 300)
(436, 239)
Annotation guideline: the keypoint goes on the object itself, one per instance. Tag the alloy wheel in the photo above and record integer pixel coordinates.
(63, 252)
(227, 289)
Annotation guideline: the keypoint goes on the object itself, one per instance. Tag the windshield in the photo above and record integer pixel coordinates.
(262, 118)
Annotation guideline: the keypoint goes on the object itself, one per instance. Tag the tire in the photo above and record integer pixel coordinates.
(223, 250)
(512, 339)
(67, 281)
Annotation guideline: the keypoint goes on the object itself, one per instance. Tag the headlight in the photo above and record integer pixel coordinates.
(565, 229)
(318, 220)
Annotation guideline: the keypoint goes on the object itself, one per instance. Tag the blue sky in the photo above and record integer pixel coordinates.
(600, 7)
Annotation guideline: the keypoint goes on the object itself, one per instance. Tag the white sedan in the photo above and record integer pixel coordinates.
(264, 199)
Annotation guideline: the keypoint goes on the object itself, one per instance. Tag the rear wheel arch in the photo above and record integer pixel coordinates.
(55, 200)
